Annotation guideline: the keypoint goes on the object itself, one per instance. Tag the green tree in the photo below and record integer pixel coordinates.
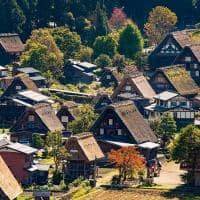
(167, 128)
(88, 36)
(160, 22)
(185, 149)
(103, 61)
(68, 42)
(130, 41)
(12, 17)
(84, 122)
(101, 20)
(43, 53)
(37, 141)
(56, 148)
(105, 45)
(119, 61)
(86, 54)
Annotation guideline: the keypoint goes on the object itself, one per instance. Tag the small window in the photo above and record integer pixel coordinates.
(196, 73)
(64, 119)
(31, 118)
(128, 88)
(119, 131)
(108, 77)
(101, 131)
(110, 122)
(18, 87)
(195, 66)
(188, 59)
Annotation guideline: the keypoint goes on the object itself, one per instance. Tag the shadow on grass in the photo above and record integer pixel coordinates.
(183, 192)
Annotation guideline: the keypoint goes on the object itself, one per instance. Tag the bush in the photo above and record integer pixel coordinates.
(57, 177)
(37, 141)
(103, 61)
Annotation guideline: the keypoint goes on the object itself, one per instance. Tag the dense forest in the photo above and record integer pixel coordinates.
(22, 16)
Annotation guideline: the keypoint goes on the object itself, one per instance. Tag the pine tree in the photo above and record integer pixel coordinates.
(101, 20)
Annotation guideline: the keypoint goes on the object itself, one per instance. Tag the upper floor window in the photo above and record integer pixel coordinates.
(188, 59)
(101, 131)
(128, 88)
(110, 122)
(31, 118)
(119, 131)
(64, 119)
(108, 77)
(196, 73)
(18, 87)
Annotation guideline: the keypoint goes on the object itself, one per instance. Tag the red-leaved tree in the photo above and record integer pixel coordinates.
(118, 19)
(128, 160)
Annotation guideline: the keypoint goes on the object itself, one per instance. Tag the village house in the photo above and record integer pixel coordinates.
(11, 47)
(34, 75)
(40, 119)
(68, 112)
(101, 101)
(84, 154)
(9, 187)
(190, 58)
(178, 106)
(174, 78)
(3, 72)
(110, 77)
(136, 88)
(77, 71)
(21, 93)
(170, 47)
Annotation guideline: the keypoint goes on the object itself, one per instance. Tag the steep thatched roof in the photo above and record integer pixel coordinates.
(180, 79)
(11, 43)
(9, 187)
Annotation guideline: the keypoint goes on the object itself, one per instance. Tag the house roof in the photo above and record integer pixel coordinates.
(166, 95)
(99, 96)
(48, 116)
(88, 145)
(22, 148)
(140, 83)
(27, 70)
(131, 70)
(132, 120)
(11, 43)
(196, 51)
(35, 96)
(180, 79)
(8, 184)
(87, 65)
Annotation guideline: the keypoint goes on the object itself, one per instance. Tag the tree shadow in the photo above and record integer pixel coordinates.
(183, 192)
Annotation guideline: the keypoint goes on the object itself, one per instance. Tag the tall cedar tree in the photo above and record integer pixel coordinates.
(130, 41)
(160, 22)
(185, 149)
(167, 128)
(44, 12)
(101, 20)
(12, 17)
(128, 160)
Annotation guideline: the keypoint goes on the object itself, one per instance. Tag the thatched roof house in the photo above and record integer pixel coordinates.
(174, 78)
(9, 187)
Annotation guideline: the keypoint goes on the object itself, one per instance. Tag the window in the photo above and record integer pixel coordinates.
(18, 87)
(119, 131)
(110, 122)
(195, 66)
(128, 88)
(31, 118)
(101, 131)
(188, 59)
(196, 73)
(108, 77)
(64, 119)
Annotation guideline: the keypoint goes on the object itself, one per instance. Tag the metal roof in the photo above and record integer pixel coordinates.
(166, 95)
(35, 96)
(37, 78)
(2, 68)
(22, 102)
(22, 148)
(27, 70)
(149, 145)
(121, 144)
(87, 65)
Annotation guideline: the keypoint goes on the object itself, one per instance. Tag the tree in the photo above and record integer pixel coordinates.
(84, 122)
(103, 61)
(42, 53)
(37, 141)
(167, 128)
(118, 19)
(185, 149)
(12, 17)
(154, 124)
(160, 22)
(130, 41)
(56, 149)
(128, 160)
(101, 20)
(86, 54)
(105, 45)
(119, 61)
(68, 42)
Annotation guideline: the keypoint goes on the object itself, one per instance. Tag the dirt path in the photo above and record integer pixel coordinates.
(170, 176)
